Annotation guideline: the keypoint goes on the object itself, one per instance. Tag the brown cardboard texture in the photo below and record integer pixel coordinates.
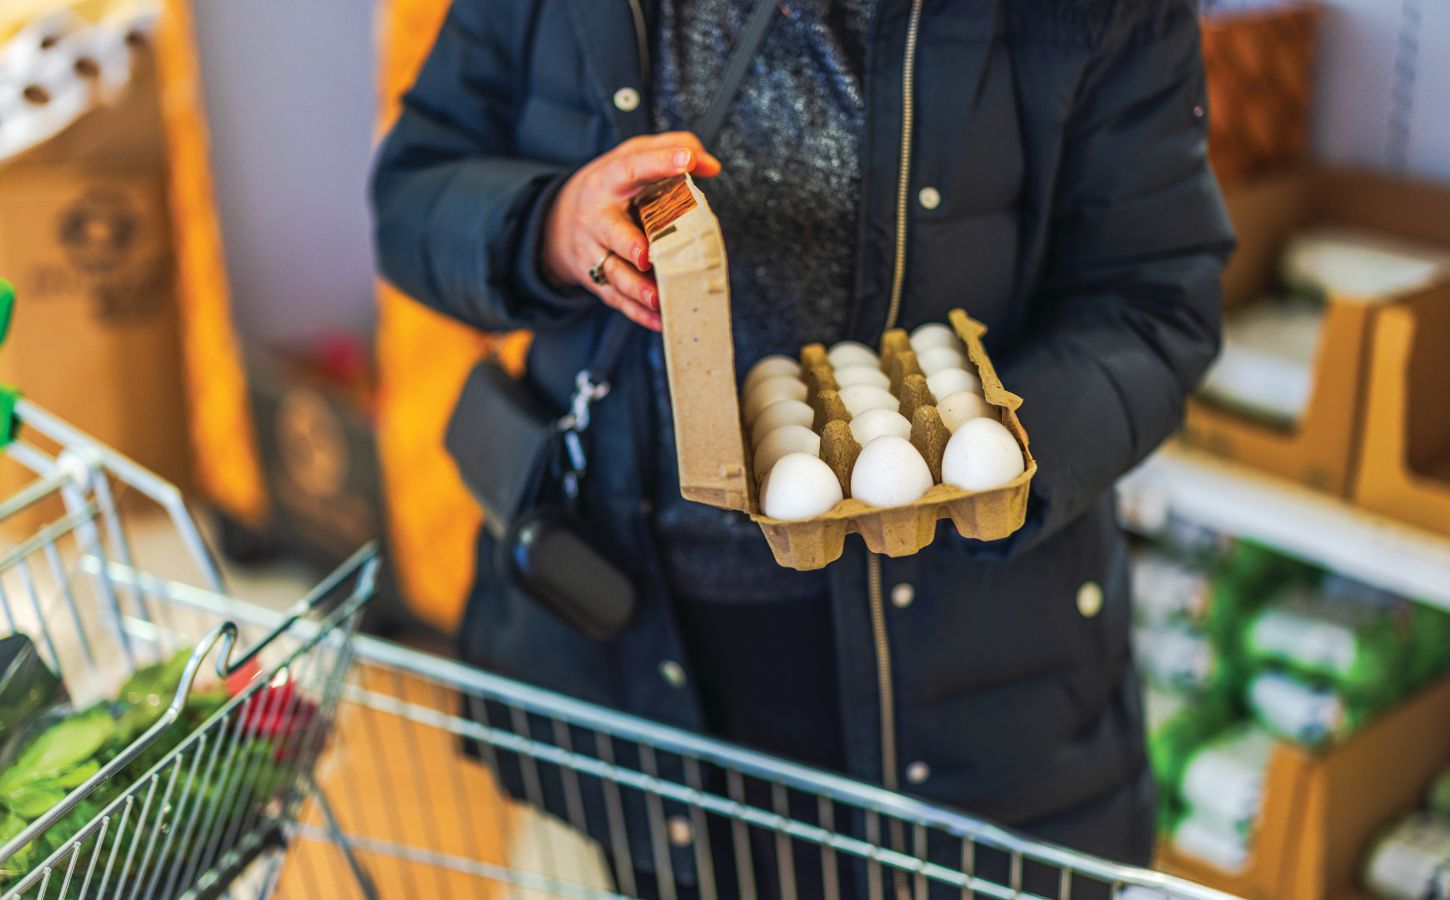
(1404, 466)
(1322, 810)
(1321, 450)
(688, 253)
(85, 237)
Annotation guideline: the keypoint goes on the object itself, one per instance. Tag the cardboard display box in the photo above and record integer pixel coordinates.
(1322, 450)
(688, 253)
(85, 237)
(1323, 811)
(1404, 465)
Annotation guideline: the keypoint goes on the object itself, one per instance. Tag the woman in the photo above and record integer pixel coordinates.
(1040, 163)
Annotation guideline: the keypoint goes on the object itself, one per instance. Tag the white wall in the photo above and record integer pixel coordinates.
(290, 97)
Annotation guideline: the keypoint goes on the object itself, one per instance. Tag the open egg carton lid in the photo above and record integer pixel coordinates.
(687, 250)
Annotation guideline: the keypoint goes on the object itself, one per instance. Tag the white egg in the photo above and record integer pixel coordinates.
(873, 423)
(938, 359)
(932, 335)
(772, 390)
(800, 486)
(769, 367)
(852, 353)
(783, 440)
(961, 407)
(781, 412)
(890, 472)
(861, 375)
(982, 455)
(949, 381)
(861, 397)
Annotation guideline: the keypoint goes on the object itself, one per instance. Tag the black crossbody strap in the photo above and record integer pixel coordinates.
(736, 69)
(592, 383)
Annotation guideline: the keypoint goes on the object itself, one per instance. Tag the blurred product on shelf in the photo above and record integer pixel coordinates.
(1222, 790)
(1259, 69)
(315, 412)
(1437, 798)
(1266, 368)
(60, 58)
(1412, 860)
(1359, 643)
(1324, 254)
(1274, 693)
(1302, 711)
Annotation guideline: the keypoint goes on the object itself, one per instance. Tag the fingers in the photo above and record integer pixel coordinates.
(631, 283)
(621, 236)
(632, 171)
(632, 310)
(707, 166)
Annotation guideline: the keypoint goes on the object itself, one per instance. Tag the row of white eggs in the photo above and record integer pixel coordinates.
(890, 471)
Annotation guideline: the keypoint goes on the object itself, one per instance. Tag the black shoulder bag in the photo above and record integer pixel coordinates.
(525, 465)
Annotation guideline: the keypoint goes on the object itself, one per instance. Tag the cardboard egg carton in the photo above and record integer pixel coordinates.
(688, 253)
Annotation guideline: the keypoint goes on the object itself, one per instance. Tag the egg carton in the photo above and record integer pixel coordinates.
(688, 254)
(902, 530)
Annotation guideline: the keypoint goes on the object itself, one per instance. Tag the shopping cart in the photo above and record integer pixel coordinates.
(191, 734)
(340, 766)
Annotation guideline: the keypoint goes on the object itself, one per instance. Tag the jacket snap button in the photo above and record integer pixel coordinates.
(902, 595)
(626, 99)
(673, 673)
(680, 832)
(918, 772)
(929, 197)
(1089, 599)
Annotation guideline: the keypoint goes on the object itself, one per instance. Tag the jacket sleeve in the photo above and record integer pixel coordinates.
(457, 218)
(1127, 316)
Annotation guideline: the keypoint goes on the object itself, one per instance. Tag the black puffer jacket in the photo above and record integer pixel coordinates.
(1078, 219)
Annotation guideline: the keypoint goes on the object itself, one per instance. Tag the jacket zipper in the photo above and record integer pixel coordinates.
(641, 39)
(884, 683)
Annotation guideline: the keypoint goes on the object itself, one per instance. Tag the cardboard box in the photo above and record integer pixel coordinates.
(1322, 450)
(86, 240)
(688, 253)
(1259, 69)
(1322, 811)
(1404, 464)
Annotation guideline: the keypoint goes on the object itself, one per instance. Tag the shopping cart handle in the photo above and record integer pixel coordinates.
(9, 396)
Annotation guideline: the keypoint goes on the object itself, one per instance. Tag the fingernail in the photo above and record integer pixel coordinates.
(649, 298)
(637, 254)
(682, 159)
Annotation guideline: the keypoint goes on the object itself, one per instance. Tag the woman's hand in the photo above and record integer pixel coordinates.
(590, 219)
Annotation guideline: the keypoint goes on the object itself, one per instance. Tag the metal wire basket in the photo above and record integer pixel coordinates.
(175, 740)
(407, 775)
(420, 788)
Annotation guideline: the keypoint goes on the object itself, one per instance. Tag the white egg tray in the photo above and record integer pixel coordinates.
(688, 253)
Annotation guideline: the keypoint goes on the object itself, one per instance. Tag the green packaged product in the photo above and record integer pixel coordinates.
(1429, 654)
(1301, 711)
(1411, 861)
(1208, 840)
(1224, 777)
(1437, 798)
(1168, 591)
(1358, 646)
(1184, 659)
(1177, 725)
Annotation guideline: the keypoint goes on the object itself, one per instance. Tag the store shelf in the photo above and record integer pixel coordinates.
(1314, 527)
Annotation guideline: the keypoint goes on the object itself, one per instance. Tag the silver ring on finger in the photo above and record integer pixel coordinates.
(596, 271)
